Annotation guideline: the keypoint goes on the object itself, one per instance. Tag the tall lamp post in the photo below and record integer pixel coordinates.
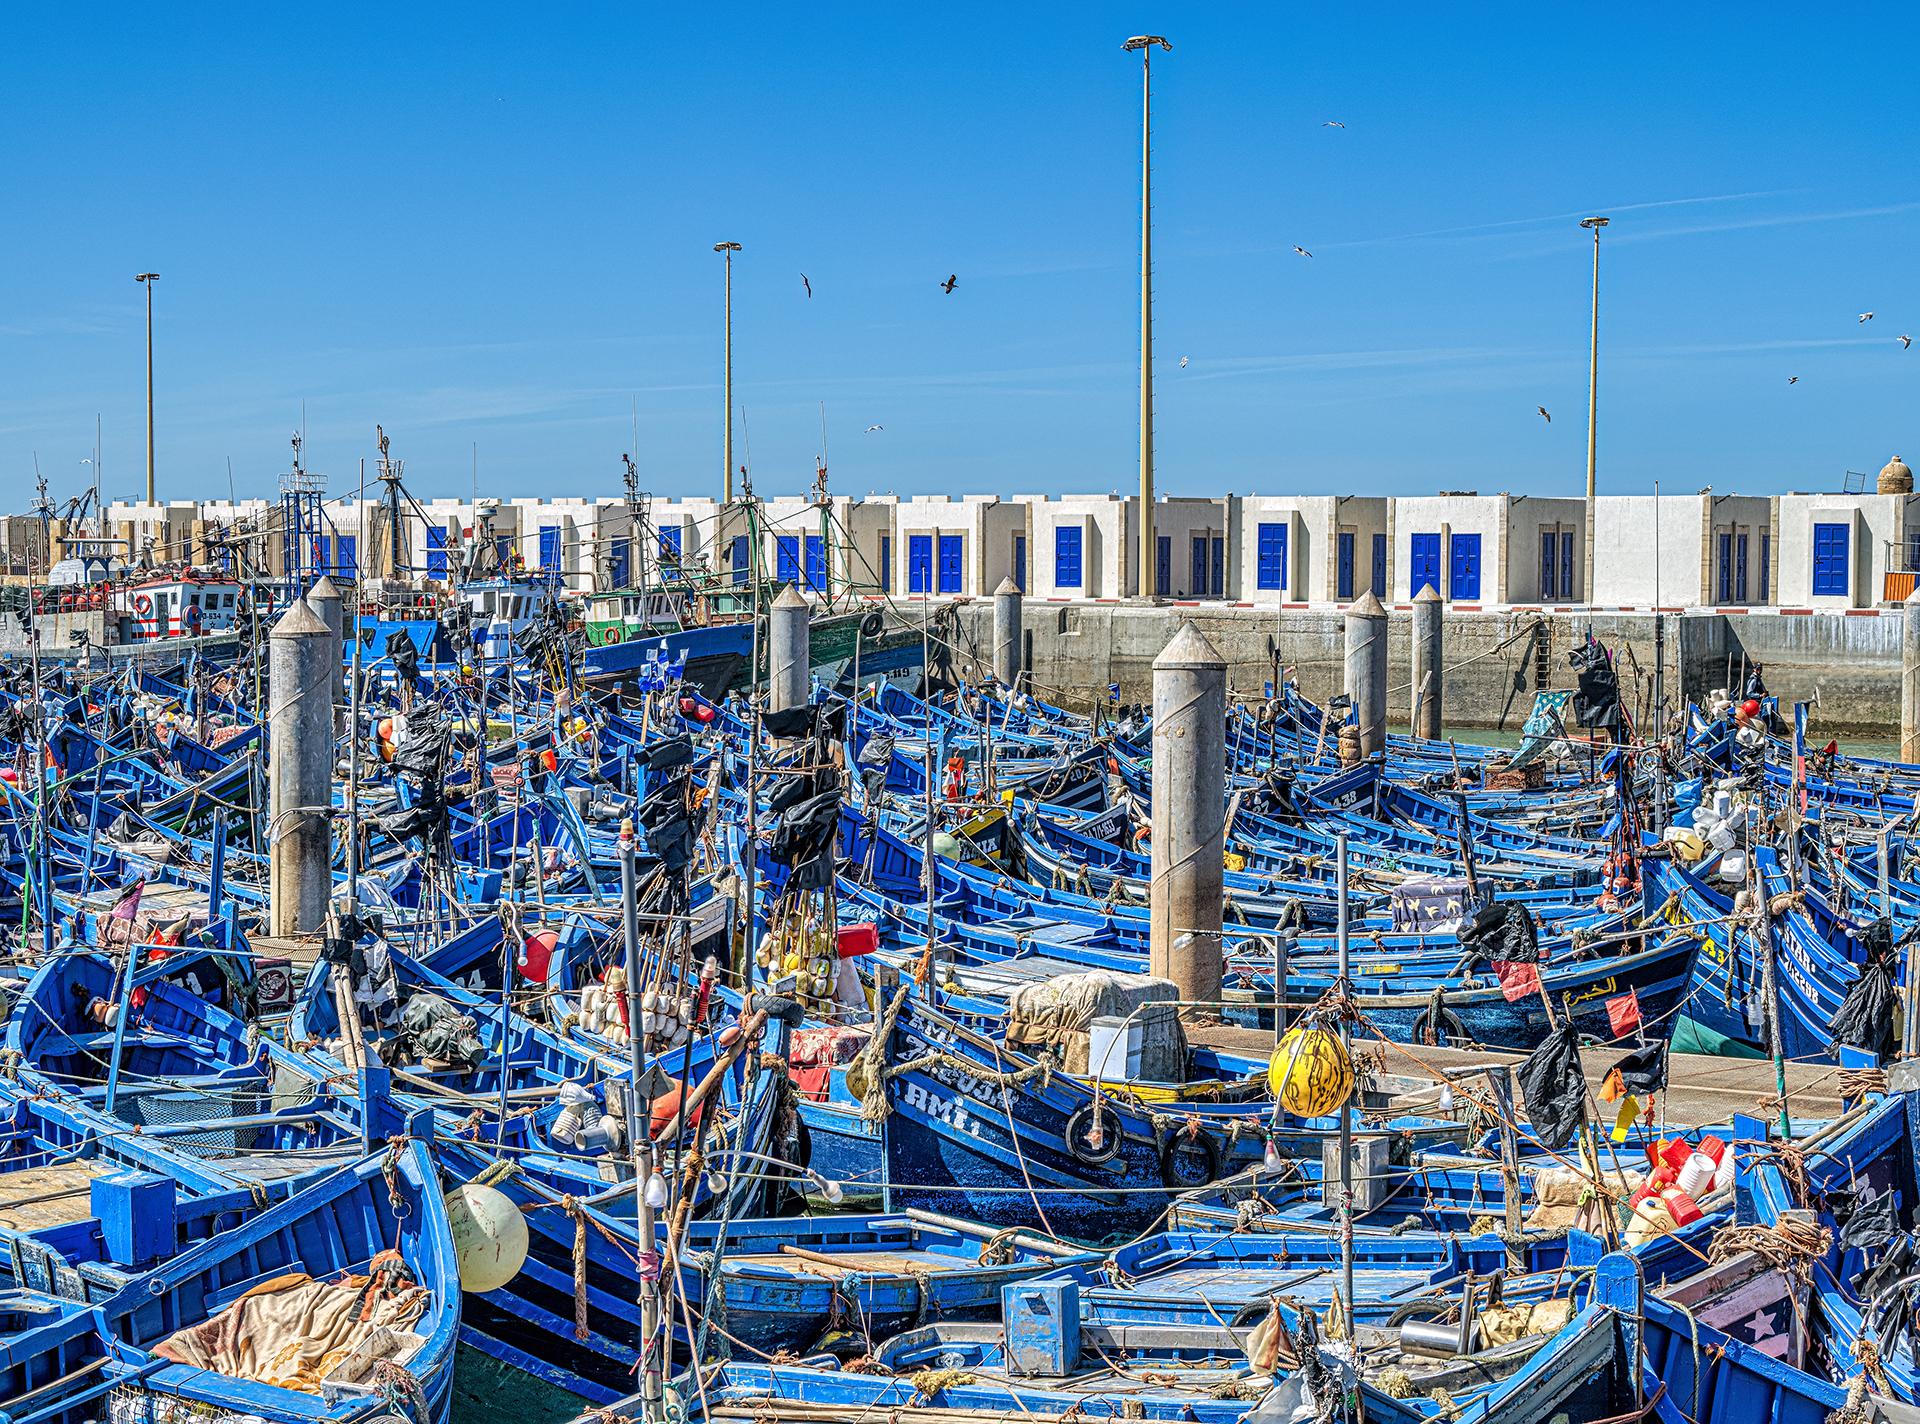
(727, 249)
(1147, 587)
(147, 279)
(1593, 404)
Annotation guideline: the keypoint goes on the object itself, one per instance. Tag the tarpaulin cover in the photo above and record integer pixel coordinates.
(1428, 903)
(1504, 930)
(1055, 1013)
(438, 1033)
(1554, 1087)
(1865, 1018)
(665, 754)
(1870, 1224)
(292, 1331)
(403, 655)
(789, 721)
(803, 838)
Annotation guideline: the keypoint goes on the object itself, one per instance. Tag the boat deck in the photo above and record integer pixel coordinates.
(854, 1261)
(56, 1195)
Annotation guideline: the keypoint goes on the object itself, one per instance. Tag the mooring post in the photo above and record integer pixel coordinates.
(1189, 814)
(1429, 663)
(1006, 633)
(788, 649)
(302, 661)
(1910, 681)
(330, 607)
(1367, 671)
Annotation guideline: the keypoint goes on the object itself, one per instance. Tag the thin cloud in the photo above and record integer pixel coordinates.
(1488, 229)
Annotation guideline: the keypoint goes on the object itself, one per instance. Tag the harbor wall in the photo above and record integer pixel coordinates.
(1848, 664)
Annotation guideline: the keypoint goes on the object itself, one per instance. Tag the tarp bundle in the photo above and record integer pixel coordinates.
(438, 1034)
(403, 655)
(1056, 1013)
(1504, 930)
(421, 757)
(1597, 704)
(803, 841)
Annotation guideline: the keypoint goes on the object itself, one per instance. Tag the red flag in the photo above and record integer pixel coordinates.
(1517, 979)
(1623, 1013)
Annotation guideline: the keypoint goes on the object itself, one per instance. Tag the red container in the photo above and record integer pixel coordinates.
(855, 940)
(536, 955)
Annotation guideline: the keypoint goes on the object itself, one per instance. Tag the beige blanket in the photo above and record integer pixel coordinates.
(292, 1330)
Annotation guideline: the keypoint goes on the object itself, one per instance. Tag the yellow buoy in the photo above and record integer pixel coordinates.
(1310, 1072)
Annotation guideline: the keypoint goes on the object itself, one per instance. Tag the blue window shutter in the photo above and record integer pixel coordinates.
(816, 561)
(436, 552)
(1464, 577)
(619, 561)
(787, 558)
(740, 555)
(1424, 557)
(951, 559)
(1068, 549)
(1726, 569)
(670, 543)
(1343, 584)
(1766, 564)
(1379, 566)
(1549, 563)
(1566, 565)
(1217, 580)
(1163, 565)
(886, 562)
(550, 546)
(349, 565)
(1020, 562)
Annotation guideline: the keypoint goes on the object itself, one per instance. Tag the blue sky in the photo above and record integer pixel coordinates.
(492, 226)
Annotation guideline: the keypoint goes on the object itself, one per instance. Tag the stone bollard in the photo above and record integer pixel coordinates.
(1006, 633)
(1367, 672)
(1189, 814)
(1429, 663)
(301, 659)
(788, 650)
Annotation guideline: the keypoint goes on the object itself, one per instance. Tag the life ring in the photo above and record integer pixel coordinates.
(1179, 1150)
(1451, 1030)
(142, 605)
(871, 623)
(1080, 1135)
(613, 634)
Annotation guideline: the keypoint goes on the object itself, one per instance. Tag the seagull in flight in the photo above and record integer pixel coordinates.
(805, 283)
(1543, 414)
(1866, 316)
(1301, 250)
(1905, 341)
(1333, 124)
(952, 281)
(1793, 380)
(871, 428)
(1183, 363)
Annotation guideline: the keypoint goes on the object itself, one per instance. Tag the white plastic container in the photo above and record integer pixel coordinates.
(1696, 1175)
(1114, 1048)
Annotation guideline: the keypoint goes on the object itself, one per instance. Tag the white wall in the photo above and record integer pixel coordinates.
(1872, 520)
(1447, 516)
(1106, 526)
(1527, 518)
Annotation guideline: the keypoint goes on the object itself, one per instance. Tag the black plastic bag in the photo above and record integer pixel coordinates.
(1504, 930)
(789, 721)
(403, 655)
(1554, 1087)
(1865, 1018)
(1597, 703)
(666, 754)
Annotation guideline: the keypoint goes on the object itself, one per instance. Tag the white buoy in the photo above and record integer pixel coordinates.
(489, 1236)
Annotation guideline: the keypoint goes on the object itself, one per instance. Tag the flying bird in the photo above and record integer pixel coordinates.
(871, 428)
(1301, 250)
(1333, 124)
(1866, 316)
(1183, 363)
(805, 283)
(1905, 341)
(952, 281)
(1793, 380)
(1543, 414)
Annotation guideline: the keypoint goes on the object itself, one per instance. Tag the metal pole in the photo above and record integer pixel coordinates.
(1346, 1117)
(640, 1135)
(1593, 404)
(1148, 563)
(147, 279)
(727, 249)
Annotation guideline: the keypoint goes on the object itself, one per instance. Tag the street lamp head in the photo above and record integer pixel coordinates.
(1147, 41)
(1593, 222)
(726, 247)
(148, 277)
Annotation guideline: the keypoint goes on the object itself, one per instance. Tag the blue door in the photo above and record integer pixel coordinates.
(1725, 586)
(1465, 574)
(619, 562)
(1217, 570)
(740, 557)
(951, 546)
(1270, 566)
(670, 545)
(436, 552)
(786, 558)
(1068, 568)
(504, 554)
(1830, 560)
(1379, 566)
(1740, 569)
(1424, 556)
(1766, 563)
(550, 547)
(1197, 572)
(1566, 563)
(1020, 562)
(1343, 584)
(816, 561)
(920, 563)
(1163, 565)
(886, 562)
(1549, 563)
